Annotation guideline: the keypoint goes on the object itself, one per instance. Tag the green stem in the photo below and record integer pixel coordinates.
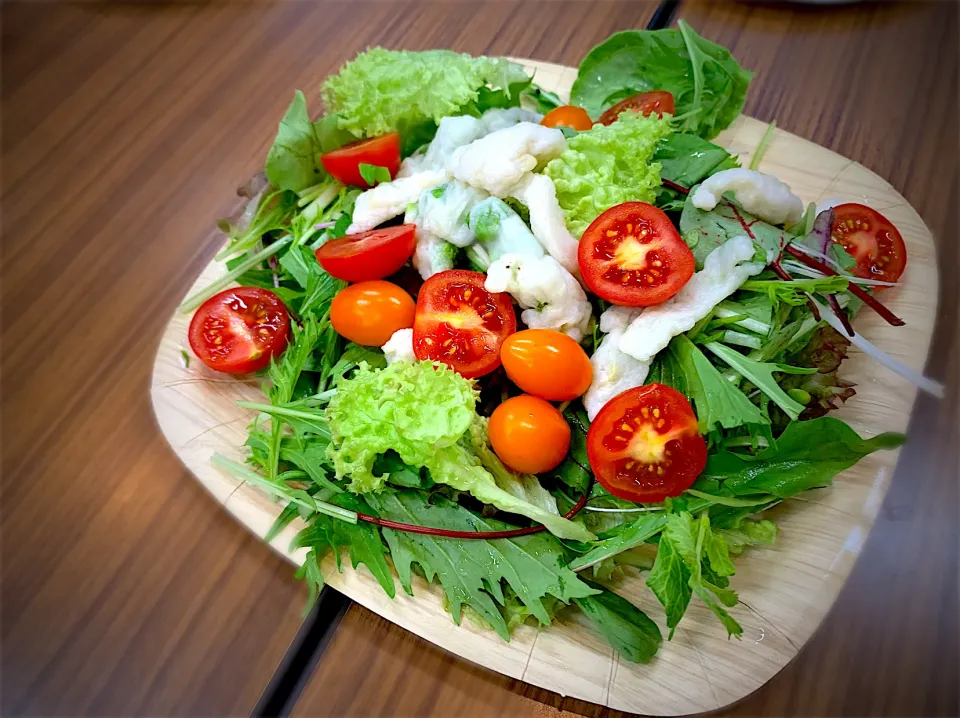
(203, 295)
(278, 410)
(250, 476)
(762, 147)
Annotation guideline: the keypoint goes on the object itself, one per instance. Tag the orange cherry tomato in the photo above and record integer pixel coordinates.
(529, 435)
(568, 116)
(644, 446)
(546, 364)
(368, 313)
(655, 102)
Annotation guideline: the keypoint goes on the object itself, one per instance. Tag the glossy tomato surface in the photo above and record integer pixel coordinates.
(461, 324)
(871, 239)
(643, 446)
(633, 256)
(529, 435)
(655, 102)
(547, 364)
(238, 330)
(344, 163)
(374, 254)
(368, 313)
(568, 116)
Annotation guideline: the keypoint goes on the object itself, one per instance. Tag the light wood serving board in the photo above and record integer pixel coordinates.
(785, 590)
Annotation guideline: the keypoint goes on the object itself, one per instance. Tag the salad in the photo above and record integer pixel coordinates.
(525, 349)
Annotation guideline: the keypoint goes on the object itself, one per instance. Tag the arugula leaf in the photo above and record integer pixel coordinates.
(718, 402)
(680, 570)
(707, 84)
(705, 231)
(309, 453)
(292, 162)
(669, 579)
(400, 474)
(363, 540)
(471, 572)
(632, 535)
(374, 174)
(807, 455)
(760, 375)
(626, 627)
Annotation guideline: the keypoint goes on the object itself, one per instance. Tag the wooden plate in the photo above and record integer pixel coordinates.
(785, 590)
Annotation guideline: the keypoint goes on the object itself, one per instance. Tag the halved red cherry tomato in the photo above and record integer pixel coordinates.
(529, 434)
(655, 102)
(568, 116)
(368, 313)
(461, 324)
(547, 364)
(631, 255)
(344, 163)
(643, 446)
(374, 254)
(871, 239)
(238, 330)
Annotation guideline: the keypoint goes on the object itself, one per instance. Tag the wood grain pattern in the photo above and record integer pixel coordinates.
(837, 76)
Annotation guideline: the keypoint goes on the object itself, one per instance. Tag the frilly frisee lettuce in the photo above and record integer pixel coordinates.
(606, 166)
(422, 411)
(385, 90)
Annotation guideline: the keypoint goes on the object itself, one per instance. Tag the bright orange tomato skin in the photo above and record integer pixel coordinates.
(568, 116)
(546, 364)
(529, 435)
(368, 313)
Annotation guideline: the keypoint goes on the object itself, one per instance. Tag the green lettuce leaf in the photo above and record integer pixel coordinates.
(417, 410)
(421, 410)
(807, 455)
(628, 629)
(606, 166)
(707, 84)
(385, 90)
(471, 572)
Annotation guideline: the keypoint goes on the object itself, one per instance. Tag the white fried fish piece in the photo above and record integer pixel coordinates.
(551, 297)
(497, 162)
(613, 371)
(761, 194)
(724, 270)
(443, 211)
(399, 347)
(539, 195)
(390, 199)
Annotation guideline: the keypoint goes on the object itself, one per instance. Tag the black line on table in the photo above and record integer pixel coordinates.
(291, 676)
(663, 15)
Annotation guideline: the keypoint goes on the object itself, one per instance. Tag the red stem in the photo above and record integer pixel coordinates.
(674, 186)
(485, 535)
(855, 290)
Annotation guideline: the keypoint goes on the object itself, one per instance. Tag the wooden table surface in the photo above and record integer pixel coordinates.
(125, 129)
